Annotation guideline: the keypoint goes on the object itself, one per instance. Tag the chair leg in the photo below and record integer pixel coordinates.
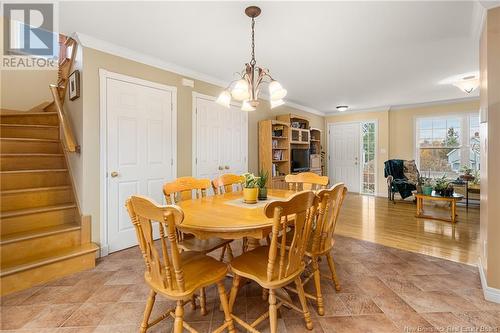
(265, 294)
(234, 291)
(229, 253)
(223, 253)
(273, 312)
(203, 302)
(331, 264)
(147, 311)
(303, 302)
(179, 313)
(317, 285)
(193, 302)
(225, 306)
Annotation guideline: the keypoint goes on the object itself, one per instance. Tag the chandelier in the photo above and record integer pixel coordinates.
(246, 89)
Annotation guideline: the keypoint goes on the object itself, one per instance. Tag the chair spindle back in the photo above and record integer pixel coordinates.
(306, 181)
(164, 268)
(182, 189)
(302, 206)
(226, 182)
(330, 202)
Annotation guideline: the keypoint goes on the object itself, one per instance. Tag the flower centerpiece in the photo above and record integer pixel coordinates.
(250, 188)
(263, 176)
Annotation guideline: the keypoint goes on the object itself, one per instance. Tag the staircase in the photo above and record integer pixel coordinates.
(42, 234)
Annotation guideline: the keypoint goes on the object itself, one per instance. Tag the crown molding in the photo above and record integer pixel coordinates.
(123, 52)
(304, 108)
(434, 103)
(366, 110)
(478, 20)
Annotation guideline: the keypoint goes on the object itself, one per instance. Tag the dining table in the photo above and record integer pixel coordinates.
(227, 216)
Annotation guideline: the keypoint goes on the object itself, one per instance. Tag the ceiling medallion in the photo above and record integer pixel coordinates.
(246, 89)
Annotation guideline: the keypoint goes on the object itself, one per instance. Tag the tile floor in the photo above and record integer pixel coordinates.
(383, 290)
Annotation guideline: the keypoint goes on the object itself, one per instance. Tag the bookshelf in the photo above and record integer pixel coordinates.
(274, 151)
(315, 151)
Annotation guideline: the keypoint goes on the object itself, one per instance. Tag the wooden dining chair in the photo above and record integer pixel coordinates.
(226, 182)
(322, 241)
(175, 275)
(306, 181)
(274, 267)
(185, 188)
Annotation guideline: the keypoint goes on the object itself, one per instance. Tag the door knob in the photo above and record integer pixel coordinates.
(226, 167)
(221, 168)
(114, 174)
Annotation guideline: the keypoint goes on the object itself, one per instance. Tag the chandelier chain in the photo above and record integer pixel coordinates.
(253, 62)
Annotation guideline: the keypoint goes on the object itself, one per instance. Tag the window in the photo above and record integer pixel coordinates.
(368, 157)
(444, 144)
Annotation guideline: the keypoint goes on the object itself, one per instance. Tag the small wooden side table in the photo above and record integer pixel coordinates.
(436, 197)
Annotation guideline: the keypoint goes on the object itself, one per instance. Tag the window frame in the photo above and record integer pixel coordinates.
(465, 137)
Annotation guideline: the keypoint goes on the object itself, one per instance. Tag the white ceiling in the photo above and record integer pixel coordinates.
(361, 54)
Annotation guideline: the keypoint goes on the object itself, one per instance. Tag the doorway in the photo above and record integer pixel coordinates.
(138, 118)
(220, 138)
(352, 155)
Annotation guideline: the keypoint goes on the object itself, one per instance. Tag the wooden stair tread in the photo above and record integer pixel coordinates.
(30, 154)
(32, 170)
(39, 232)
(36, 189)
(29, 140)
(8, 268)
(29, 126)
(20, 212)
(7, 113)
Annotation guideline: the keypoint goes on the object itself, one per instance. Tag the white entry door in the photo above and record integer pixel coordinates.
(221, 144)
(140, 150)
(344, 155)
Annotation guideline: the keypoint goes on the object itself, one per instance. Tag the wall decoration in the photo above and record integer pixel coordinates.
(74, 85)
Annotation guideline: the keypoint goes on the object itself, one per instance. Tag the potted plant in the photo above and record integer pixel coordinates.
(441, 186)
(427, 186)
(250, 188)
(466, 173)
(263, 177)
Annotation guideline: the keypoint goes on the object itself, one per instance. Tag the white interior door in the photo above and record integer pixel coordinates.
(344, 155)
(140, 151)
(221, 144)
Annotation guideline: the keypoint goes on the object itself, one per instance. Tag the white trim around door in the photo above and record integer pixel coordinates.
(360, 158)
(105, 75)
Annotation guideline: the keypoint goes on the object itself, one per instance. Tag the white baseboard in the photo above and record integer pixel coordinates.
(104, 250)
(490, 294)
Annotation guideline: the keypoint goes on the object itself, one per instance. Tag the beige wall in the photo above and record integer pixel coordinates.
(24, 89)
(490, 148)
(396, 130)
(382, 119)
(92, 61)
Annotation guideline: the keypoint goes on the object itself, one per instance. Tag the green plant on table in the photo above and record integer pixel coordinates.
(441, 183)
(250, 181)
(263, 177)
(466, 170)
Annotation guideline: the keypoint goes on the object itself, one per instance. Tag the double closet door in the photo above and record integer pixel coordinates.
(220, 139)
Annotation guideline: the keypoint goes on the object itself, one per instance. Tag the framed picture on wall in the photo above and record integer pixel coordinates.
(74, 85)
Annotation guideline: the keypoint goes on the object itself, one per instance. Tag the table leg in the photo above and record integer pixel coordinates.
(453, 211)
(467, 194)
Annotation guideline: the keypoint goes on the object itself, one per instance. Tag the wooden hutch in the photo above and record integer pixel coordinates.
(276, 140)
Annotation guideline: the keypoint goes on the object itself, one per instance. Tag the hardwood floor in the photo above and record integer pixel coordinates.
(377, 220)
